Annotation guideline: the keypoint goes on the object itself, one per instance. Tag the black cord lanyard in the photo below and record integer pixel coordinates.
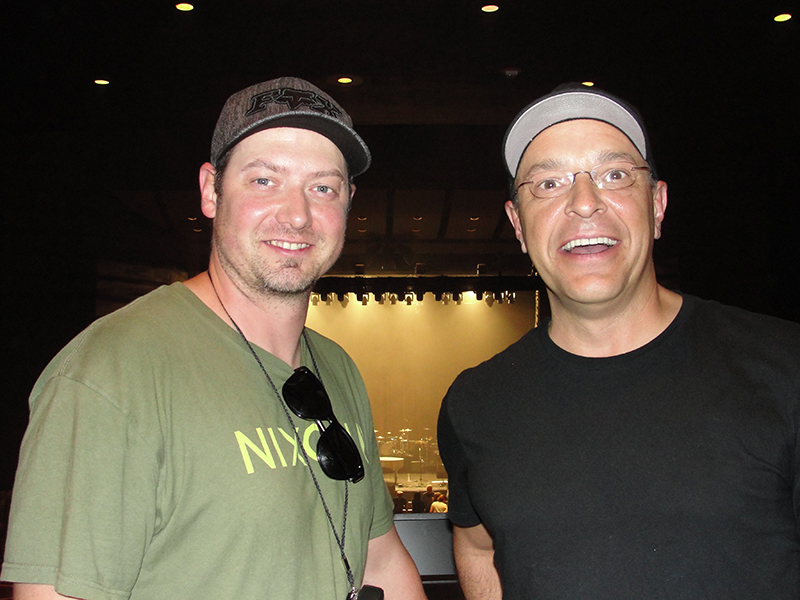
(339, 540)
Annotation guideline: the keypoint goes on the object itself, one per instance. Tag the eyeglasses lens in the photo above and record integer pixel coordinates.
(306, 397)
(338, 456)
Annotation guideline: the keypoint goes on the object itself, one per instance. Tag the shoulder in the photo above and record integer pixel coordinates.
(329, 351)
(332, 357)
(765, 347)
(500, 371)
(144, 330)
(324, 344)
(162, 309)
(738, 326)
(520, 351)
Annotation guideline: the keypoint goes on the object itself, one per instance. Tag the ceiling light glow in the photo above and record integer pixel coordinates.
(184, 6)
(490, 8)
(783, 17)
(345, 80)
(588, 83)
(102, 81)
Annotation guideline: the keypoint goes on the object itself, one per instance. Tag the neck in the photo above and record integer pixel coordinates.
(273, 324)
(616, 329)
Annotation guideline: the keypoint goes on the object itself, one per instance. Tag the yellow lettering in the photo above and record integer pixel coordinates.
(277, 449)
(364, 453)
(295, 451)
(263, 453)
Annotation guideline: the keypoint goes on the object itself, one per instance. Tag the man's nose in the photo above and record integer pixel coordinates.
(584, 196)
(293, 210)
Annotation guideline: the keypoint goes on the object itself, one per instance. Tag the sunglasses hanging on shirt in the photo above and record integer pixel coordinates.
(337, 453)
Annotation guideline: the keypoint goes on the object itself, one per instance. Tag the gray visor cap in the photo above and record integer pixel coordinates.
(567, 103)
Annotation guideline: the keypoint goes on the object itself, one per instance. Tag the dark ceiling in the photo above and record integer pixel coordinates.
(716, 81)
(97, 174)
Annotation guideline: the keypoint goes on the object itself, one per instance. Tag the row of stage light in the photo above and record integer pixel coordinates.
(408, 298)
(500, 289)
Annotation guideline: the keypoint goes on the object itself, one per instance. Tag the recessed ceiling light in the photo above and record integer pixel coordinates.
(417, 218)
(474, 218)
(490, 8)
(184, 6)
(102, 81)
(341, 79)
(361, 218)
(471, 230)
(783, 17)
(362, 231)
(588, 83)
(192, 218)
(415, 231)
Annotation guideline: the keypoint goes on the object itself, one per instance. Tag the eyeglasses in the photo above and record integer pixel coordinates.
(608, 176)
(336, 451)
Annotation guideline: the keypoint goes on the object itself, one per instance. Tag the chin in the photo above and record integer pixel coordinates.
(591, 294)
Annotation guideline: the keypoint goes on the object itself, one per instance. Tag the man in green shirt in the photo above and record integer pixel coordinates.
(185, 446)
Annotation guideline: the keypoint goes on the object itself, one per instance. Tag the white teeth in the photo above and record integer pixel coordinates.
(588, 242)
(288, 245)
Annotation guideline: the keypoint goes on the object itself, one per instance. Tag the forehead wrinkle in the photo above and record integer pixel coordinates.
(612, 155)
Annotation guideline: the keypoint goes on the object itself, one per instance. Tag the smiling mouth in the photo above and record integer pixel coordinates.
(589, 245)
(288, 245)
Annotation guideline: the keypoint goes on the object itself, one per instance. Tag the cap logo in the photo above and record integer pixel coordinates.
(294, 99)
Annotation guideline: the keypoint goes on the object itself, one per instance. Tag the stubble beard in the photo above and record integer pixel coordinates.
(284, 279)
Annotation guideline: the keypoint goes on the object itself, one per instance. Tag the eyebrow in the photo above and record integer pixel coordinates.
(330, 173)
(261, 163)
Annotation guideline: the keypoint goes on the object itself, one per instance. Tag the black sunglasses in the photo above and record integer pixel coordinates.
(336, 451)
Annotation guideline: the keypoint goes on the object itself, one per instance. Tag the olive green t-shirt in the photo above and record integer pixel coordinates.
(158, 463)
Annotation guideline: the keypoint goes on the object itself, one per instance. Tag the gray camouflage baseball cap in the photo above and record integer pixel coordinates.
(288, 102)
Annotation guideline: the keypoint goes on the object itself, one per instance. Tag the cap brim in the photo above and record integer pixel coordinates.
(353, 148)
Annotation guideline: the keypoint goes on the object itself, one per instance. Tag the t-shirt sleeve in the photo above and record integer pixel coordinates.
(84, 502)
(460, 510)
(382, 519)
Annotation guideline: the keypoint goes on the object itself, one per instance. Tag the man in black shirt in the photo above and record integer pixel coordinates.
(642, 443)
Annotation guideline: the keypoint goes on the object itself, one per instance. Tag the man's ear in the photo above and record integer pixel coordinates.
(208, 195)
(659, 206)
(513, 216)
